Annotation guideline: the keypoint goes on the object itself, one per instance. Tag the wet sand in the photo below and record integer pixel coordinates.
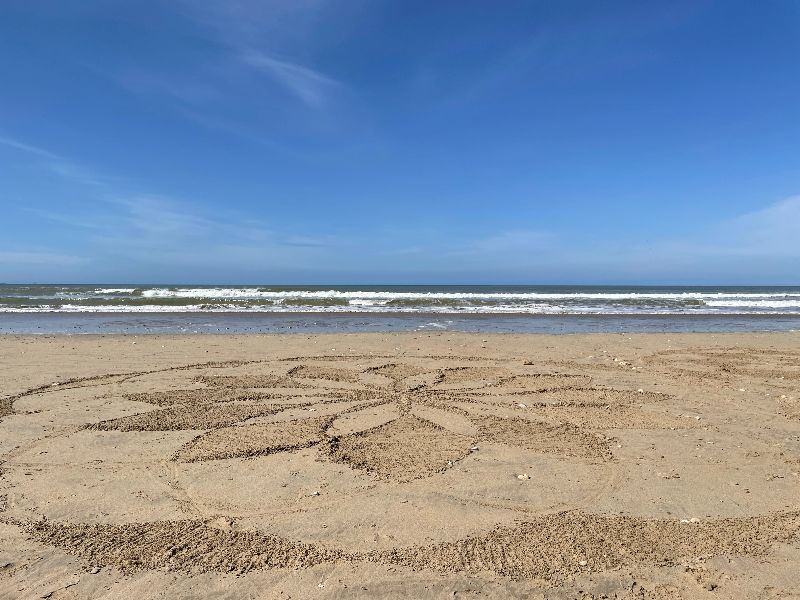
(406, 465)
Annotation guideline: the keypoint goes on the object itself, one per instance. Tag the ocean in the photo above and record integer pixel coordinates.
(123, 308)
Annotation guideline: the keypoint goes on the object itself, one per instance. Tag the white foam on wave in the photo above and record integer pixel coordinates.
(269, 300)
(434, 325)
(367, 302)
(363, 296)
(78, 294)
(498, 309)
(754, 303)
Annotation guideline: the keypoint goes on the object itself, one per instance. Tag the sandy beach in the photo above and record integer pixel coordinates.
(416, 465)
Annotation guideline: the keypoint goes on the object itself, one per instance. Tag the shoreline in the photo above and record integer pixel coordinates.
(318, 322)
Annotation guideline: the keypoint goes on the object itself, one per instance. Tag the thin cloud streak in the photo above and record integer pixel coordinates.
(237, 23)
(152, 228)
(248, 82)
(770, 231)
(311, 87)
(28, 148)
(57, 164)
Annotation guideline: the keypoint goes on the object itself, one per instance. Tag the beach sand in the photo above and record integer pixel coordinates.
(400, 466)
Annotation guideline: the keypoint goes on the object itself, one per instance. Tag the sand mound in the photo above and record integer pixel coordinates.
(257, 439)
(564, 439)
(325, 373)
(398, 371)
(543, 381)
(611, 417)
(404, 449)
(590, 397)
(553, 547)
(5, 407)
(486, 375)
(549, 548)
(790, 407)
(247, 381)
(189, 546)
(201, 396)
(201, 416)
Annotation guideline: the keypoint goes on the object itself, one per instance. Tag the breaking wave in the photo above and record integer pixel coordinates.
(407, 299)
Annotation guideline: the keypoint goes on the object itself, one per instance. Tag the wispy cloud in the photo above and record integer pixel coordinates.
(250, 73)
(238, 23)
(71, 219)
(156, 216)
(311, 87)
(29, 149)
(57, 164)
(770, 231)
(152, 229)
(765, 236)
(759, 246)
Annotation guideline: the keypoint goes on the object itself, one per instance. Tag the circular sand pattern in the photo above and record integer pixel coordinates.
(778, 370)
(721, 363)
(250, 465)
(408, 446)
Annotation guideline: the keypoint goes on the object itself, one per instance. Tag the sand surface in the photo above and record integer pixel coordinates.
(400, 466)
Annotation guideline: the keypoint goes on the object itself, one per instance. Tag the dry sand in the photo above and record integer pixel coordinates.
(400, 466)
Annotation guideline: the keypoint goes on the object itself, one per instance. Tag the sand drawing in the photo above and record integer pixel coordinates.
(419, 425)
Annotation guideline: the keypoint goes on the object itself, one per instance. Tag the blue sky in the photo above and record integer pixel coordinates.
(400, 142)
